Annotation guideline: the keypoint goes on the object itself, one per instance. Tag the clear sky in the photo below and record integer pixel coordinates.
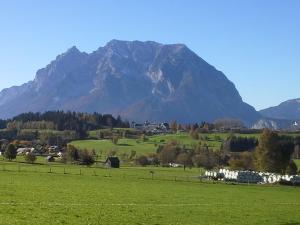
(256, 43)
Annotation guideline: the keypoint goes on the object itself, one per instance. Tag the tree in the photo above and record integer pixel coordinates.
(206, 158)
(30, 157)
(174, 126)
(132, 154)
(169, 152)
(143, 137)
(86, 157)
(274, 152)
(296, 154)
(115, 140)
(194, 134)
(243, 161)
(72, 153)
(292, 168)
(10, 152)
(228, 123)
(184, 159)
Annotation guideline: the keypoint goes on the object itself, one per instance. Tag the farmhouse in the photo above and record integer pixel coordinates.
(112, 162)
(154, 128)
(53, 149)
(22, 151)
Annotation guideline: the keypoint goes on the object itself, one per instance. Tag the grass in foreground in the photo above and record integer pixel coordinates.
(130, 196)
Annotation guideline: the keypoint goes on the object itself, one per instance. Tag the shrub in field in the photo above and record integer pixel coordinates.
(10, 152)
(194, 134)
(30, 157)
(206, 158)
(72, 153)
(115, 140)
(86, 157)
(291, 168)
(169, 152)
(142, 160)
(132, 154)
(185, 159)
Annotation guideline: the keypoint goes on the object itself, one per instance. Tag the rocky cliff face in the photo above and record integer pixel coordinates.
(138, 80)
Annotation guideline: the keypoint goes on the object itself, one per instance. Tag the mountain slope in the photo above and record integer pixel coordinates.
(138, 80)
(289, 110)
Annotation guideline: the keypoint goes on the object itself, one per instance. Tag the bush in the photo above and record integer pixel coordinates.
(10, 152)
(30, 157)
(243, 161)
(206, 158)
(72, 153)
(142, 160)
(86, 157)
(291, 168)
(115, 140)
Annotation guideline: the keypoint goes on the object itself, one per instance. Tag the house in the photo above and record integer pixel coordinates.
(112, 162)
(154, 128)
(60, 154)
(53, 149)
(22, 151)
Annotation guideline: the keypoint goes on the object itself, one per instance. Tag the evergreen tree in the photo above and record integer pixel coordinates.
(273, 153)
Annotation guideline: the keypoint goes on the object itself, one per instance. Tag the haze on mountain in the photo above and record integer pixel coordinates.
(137, 80)
(288, 110)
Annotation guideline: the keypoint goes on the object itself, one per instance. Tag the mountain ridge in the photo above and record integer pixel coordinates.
(138, 80)
(289, 110)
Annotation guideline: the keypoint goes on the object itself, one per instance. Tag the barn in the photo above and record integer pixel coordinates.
(112, 162)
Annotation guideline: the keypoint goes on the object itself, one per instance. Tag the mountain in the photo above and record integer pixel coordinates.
(138, 80)
(277, 124)
(289, 110)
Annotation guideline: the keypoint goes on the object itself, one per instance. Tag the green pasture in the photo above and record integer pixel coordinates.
(151, 143)
(148, 146)
(71, 194)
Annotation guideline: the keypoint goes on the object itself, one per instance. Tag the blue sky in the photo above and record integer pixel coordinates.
(256, 43)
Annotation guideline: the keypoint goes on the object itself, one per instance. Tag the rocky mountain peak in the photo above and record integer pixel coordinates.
(138, 80)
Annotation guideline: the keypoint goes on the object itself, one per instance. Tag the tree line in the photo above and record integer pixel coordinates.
(81, 123)
(73, 120)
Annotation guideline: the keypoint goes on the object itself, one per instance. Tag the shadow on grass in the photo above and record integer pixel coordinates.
(124, 145)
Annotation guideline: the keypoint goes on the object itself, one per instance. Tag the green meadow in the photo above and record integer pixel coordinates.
(150, 144)
(71, 194)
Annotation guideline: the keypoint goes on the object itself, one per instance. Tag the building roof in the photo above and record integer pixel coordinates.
(113, 159)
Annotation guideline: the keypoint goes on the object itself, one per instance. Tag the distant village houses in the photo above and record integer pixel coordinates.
(155, 128)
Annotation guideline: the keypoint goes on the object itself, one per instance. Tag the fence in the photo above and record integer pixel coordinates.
(170, 174)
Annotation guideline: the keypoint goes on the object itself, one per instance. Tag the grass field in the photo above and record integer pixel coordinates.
(297, 161)
(148, 146)
(129, 196)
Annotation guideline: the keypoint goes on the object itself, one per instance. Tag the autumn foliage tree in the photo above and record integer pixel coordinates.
(274, 152)
(242, 161)
(30, 157)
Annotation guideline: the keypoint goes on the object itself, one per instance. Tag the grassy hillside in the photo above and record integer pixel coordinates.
(150, 145)
(138, 145)
(129, 196)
